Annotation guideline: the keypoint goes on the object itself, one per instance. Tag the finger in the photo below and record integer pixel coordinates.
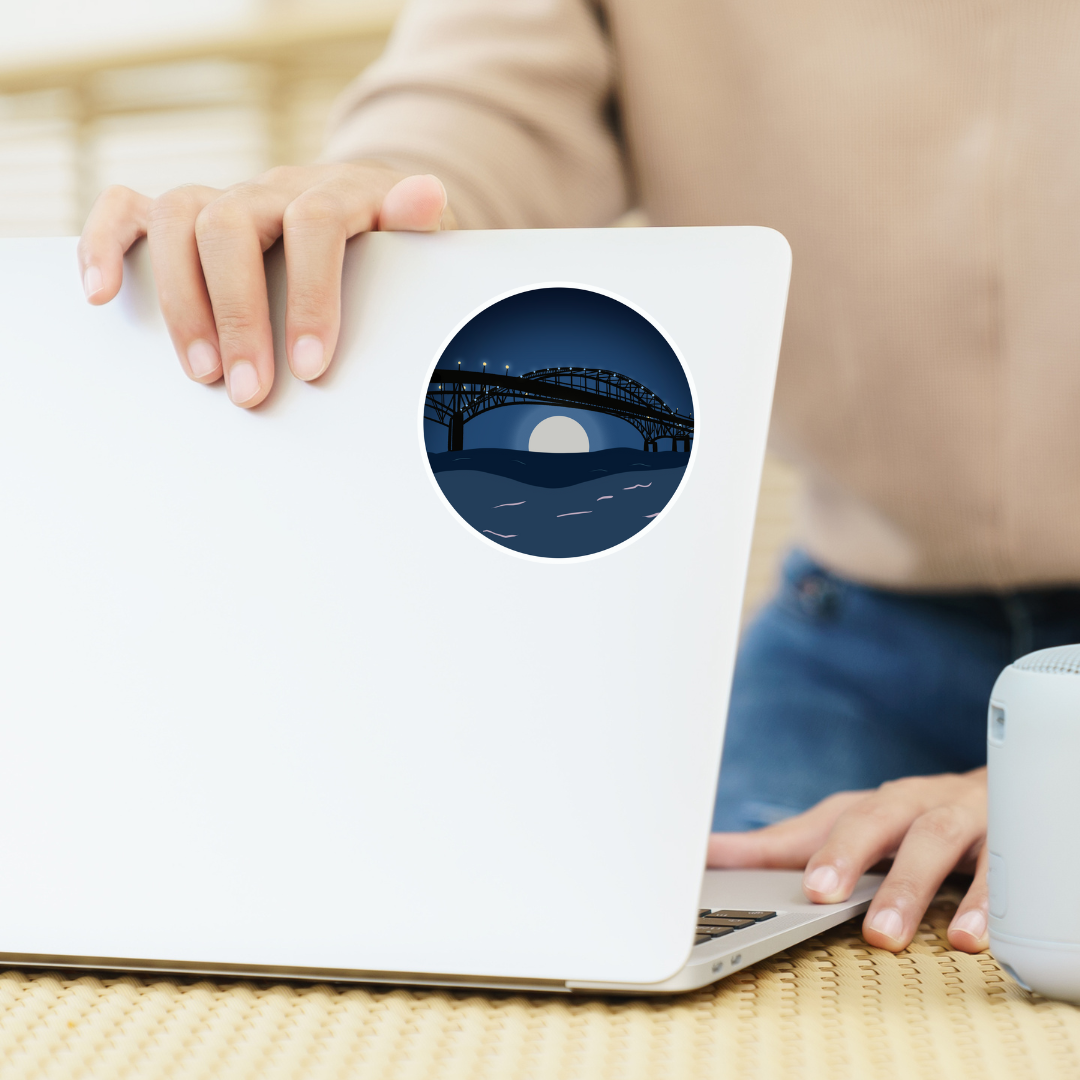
(968, 930)
(931, 849)
(785, 845)
(185, 302)
(231, 233)
(316, 225)
(117, 219)
(315, 228)
(864, 835)
(415, 204)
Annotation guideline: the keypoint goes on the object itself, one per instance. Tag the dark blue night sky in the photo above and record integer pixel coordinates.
(555, 328)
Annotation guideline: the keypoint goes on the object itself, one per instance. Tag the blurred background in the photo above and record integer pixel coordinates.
(157, 94)
(163, 93)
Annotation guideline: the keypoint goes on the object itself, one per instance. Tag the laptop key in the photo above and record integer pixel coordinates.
(755, 916)
(713, 920)
(701, 939)
(716, 931)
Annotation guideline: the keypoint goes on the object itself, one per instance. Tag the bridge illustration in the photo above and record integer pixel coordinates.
(455, 397)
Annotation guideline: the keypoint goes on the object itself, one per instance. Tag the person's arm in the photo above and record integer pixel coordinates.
(511, 103)
(508, 101)
(928, 825)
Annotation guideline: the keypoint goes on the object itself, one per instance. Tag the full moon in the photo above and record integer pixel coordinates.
(559, 435)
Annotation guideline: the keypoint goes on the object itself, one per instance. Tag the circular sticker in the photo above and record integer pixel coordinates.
(558, 422)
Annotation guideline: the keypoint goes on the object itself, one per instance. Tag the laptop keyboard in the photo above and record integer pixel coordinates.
(720, 923)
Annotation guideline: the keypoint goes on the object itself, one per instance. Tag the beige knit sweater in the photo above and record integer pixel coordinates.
(921, 156)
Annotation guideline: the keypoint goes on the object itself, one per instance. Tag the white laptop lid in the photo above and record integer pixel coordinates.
(266, 701)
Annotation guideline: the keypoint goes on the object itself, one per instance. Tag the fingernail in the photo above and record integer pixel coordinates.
(307, 357)
(887, 922)
(203, 359)
(824, 880)
(243, 381)
(972, 923)
(92, 282)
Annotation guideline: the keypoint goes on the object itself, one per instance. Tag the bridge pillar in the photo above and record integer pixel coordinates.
(456, 438)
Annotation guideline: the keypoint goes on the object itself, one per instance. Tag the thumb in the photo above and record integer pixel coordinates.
(415, 204)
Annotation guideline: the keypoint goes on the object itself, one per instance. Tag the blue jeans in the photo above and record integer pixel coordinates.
(841, 686)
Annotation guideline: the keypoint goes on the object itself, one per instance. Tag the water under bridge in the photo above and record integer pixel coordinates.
(455, 397)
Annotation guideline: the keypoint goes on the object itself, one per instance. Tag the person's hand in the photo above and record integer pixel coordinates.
(206, 248)
(928, 825)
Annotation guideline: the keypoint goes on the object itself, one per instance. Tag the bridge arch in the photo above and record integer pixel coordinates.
(455, 397)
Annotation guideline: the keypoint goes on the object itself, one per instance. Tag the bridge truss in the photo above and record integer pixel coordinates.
(455, 397)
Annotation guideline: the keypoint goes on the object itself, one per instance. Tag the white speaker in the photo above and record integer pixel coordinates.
(1033, 753)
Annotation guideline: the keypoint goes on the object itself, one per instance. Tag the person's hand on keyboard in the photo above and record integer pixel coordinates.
(928, 825)
(207, 245)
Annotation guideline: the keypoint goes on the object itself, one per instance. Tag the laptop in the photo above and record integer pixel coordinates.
(417, 674)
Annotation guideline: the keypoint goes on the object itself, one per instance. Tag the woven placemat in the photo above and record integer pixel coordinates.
(833, 1007)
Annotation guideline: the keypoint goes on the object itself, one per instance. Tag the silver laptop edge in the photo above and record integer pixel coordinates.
(707, 963)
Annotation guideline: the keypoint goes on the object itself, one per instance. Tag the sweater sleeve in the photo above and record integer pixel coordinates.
(508, 102)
